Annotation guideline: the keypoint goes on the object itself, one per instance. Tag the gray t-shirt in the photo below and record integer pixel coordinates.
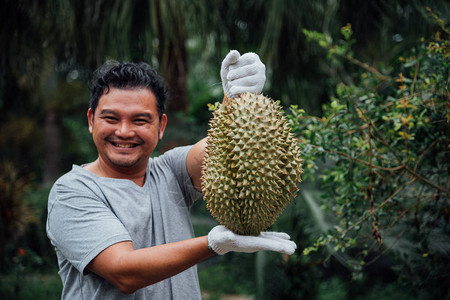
(87, 214)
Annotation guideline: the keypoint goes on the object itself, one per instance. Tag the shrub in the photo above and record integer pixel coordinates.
(384, 141)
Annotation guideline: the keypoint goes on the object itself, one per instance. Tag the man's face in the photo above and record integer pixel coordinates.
(126, 128)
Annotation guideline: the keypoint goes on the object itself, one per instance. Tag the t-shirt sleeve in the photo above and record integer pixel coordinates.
(79, 224)
(175, 159)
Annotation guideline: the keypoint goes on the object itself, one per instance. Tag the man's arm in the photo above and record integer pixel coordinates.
(129, 269)
(194, 162)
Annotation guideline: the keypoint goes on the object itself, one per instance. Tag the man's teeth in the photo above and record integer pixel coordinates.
(124, 145)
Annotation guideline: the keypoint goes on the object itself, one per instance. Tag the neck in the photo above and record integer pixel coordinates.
(102, 169)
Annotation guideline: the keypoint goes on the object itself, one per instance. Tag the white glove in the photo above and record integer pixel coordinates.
(242, 74)
(221, 240)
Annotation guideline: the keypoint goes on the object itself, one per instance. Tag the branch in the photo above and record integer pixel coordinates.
(402, 165)
(424, 152)
(424, 180)
(380, 205)
(367, 68)
(359, 160)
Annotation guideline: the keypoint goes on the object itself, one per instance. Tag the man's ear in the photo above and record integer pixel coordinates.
(162, 126)
(90, 116)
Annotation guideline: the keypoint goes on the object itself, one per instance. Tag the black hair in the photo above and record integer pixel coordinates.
(127, 75)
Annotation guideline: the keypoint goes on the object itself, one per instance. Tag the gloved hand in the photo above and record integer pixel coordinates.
(242, 74)
(221, 240)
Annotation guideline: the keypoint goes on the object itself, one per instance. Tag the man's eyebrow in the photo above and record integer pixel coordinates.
(108, 112)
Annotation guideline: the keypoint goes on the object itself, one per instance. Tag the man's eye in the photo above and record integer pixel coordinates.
(109, 118)
(141, 121)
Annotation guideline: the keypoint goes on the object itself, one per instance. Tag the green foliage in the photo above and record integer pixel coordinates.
(28, 262)
(15, 214)
(325, 41)
(384, 147)
(233, 274)
(25, 245)
(34, 286)
(335, 52)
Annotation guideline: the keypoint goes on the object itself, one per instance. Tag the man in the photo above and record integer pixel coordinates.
(120, 225)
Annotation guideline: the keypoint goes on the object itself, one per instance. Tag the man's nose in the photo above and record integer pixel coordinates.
(125, 130)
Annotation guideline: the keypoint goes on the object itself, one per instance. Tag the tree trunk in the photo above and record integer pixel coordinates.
(173, 54)
(52, 130)
(175, 73)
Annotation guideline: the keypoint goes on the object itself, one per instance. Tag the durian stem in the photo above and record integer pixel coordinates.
(225, 98)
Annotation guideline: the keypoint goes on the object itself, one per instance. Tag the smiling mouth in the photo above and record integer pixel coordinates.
(123, 145)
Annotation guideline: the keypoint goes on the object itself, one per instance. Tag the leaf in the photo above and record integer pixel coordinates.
(404, 135)
(410, 63)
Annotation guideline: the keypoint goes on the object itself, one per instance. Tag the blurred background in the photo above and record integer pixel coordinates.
(49, 49)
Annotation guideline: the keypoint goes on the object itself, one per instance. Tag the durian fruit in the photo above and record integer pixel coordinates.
(252, 165)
